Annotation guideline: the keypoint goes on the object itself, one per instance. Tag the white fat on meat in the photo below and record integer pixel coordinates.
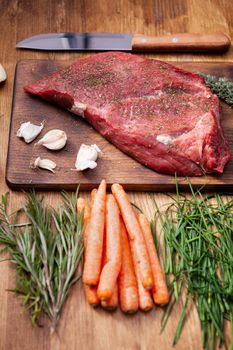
(165, 139)
(78, 108)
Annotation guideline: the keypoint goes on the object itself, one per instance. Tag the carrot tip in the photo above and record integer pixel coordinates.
(130, 312)
(161, 301)
(109, 308)
(95, 305)
(147, 309)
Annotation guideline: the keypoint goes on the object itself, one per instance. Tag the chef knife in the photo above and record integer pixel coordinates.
(216, 42)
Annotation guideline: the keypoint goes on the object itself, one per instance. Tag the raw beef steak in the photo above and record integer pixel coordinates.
(161, 115)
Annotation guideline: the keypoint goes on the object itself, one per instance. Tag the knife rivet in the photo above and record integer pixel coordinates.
(174, 40)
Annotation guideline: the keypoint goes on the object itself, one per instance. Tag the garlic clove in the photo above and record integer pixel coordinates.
(3, 75)
(29, 131)
(85, 164)
(54, 139)
(46, 164)
(86, 157)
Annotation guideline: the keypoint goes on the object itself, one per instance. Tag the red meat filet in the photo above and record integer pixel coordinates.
(163, 116)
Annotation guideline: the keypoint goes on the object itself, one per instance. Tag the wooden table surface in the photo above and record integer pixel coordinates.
(80, 326)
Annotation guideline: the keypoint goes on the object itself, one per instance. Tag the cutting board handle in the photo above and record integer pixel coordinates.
(216, 42)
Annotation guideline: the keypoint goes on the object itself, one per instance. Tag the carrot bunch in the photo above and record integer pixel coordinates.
(121, 264)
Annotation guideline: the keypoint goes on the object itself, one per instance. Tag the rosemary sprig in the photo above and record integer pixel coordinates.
(222, 87)
(198, 258)
(46, 252)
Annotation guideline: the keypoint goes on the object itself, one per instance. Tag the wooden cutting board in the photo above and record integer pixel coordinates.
(114, 165)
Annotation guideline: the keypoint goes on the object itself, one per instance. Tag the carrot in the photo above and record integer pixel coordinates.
(91, 295)
(111, 268)
(93, 194)
(112, 303)
(127, 283)
(159, 290)
(87, 214)
(94, 249)
(82, 206)
(145, 300)
(81, 202)
(90, 292)
(137, 243)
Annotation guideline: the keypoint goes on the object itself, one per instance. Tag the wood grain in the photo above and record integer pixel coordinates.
(215, 42)
(113, 165)
(80, 326)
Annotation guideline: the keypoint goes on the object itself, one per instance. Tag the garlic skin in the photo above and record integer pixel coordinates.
(86, 157)
(54, 139)
(3, 75)
(29, 131)
(46, 164)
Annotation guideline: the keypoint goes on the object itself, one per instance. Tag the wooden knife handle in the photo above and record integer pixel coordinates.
(216, 42)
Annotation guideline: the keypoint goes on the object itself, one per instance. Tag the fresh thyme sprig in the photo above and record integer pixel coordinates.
(46, 252)
(198, 257)
(222, 87)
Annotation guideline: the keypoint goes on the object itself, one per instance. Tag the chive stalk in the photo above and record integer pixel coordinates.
(198, 260)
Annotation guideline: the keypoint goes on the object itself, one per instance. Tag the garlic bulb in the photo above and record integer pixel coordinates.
(29, 131)
(44, 164)
(54, 139)
(3, 75)
(86, 157)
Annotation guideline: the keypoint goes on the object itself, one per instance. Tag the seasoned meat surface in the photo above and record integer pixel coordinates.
(163, 116)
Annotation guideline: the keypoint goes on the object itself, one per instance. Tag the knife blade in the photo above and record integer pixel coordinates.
(185, 42)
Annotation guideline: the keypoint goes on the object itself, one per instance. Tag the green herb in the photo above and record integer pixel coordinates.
(198, 257)
(46, 251)
(222, 87)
